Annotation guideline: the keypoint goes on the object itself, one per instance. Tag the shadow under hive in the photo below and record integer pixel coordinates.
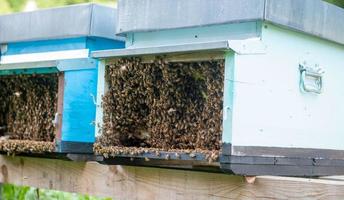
(165, 105)
(28, 104)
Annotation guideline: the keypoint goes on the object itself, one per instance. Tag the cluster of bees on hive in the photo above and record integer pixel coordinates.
(164, 105)
(27, 107)
(11, 147)
(147, 153)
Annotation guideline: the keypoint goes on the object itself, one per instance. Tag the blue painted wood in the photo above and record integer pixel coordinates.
(79, 110)
(91, 43)
(80, 93)
(46, 46)
(95, 43)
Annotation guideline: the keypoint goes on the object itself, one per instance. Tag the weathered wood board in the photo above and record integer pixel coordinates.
(122, 182)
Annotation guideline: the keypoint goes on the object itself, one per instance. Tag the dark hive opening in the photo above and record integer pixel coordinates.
(165, 105)
(28, 104)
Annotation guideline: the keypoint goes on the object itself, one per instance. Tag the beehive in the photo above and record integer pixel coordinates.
(48, 80)
(163, 106)
(281, 114)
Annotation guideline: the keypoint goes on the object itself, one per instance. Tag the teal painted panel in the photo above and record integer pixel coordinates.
(96, 44)
(45, 70)
(79, 110)
(129, 40)
(195, 35)
(269, 107)
(228, 97)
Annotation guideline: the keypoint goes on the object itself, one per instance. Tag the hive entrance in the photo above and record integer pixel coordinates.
(160, 104)
(28, 104)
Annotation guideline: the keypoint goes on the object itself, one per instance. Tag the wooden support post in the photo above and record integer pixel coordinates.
(121, 182)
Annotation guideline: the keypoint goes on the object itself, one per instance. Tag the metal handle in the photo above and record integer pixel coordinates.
(311, 79)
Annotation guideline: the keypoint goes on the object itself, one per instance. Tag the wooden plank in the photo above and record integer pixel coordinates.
(123, 182)
(60, 95)
(179, 57)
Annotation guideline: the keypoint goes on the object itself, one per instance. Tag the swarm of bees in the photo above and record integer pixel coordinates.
(28, 104)
(164, 105)
(25, 146)
(147, 153)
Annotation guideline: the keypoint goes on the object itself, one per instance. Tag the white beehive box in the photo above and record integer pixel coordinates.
(282, 111)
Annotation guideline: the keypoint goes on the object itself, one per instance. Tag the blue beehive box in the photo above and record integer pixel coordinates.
(60, 41)
(282, 102)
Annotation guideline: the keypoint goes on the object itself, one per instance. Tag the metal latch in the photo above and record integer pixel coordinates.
(55, 120)
(311, 78)
(94, 99)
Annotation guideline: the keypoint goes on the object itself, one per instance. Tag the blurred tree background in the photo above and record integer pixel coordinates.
(339, 3)
(12, 192)
(54, 3)
(9, 6)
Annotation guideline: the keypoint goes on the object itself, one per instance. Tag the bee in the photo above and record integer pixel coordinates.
(192, 155)
(177, 155)
(24, 146)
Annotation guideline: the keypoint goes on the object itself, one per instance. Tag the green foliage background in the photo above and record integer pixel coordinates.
(54, 3)
(339, 3)
(9, 6)
(11, 192)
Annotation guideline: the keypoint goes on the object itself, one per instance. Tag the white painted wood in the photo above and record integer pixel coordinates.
(30, 65)
(101, 85)
(269, 107)
(248, 46)
(42, 57)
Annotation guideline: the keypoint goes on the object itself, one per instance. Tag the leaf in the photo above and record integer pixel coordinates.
(12, 192)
